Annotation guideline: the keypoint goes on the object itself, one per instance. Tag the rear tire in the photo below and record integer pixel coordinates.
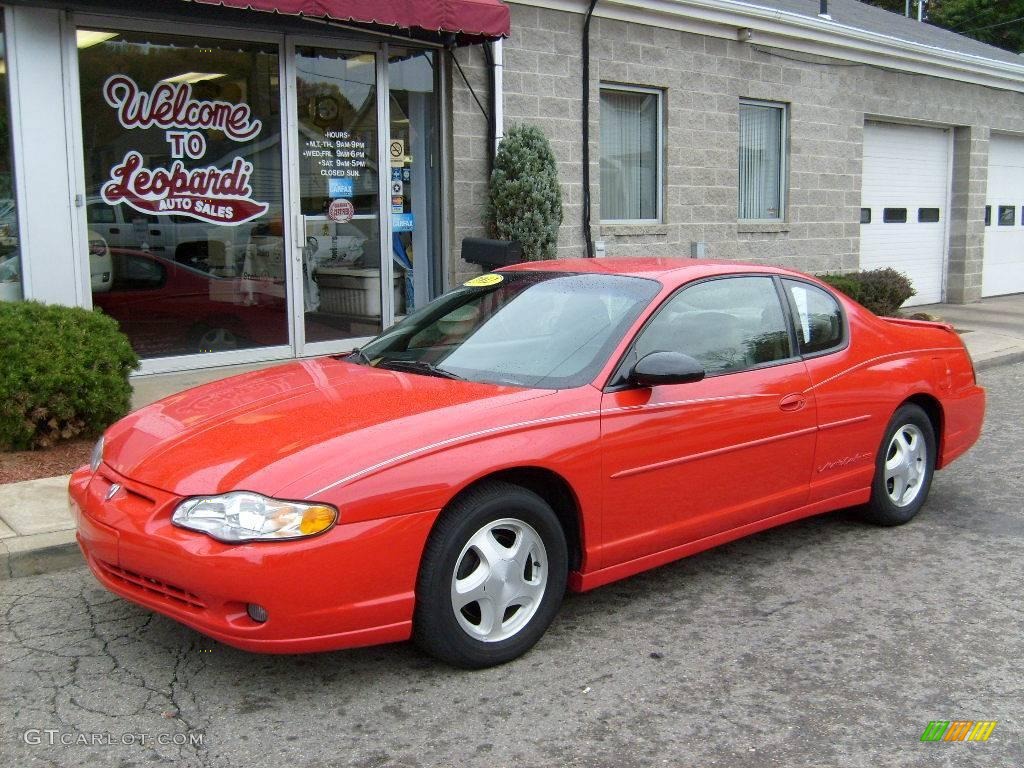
(904, 468)
(492, 579)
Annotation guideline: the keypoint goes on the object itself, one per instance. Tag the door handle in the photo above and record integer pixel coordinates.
(792, 402)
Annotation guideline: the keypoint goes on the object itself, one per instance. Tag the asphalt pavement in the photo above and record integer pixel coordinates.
(822, 643)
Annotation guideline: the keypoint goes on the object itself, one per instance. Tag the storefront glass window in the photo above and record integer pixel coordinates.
(10, 253)
(184, 190)
(415, 194)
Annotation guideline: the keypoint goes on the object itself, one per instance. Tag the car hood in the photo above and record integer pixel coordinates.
(262, 431)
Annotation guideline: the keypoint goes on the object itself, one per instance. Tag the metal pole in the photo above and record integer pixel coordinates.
(907, 11)
(920, 9)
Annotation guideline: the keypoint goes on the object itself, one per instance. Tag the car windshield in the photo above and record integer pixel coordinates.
(548, 330)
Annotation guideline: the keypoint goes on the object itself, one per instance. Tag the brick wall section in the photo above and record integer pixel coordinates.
(703, 79)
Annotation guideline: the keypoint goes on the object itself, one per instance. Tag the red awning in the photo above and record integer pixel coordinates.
(485, 19)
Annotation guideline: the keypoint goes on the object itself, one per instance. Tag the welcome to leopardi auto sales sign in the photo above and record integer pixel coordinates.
(222, 196)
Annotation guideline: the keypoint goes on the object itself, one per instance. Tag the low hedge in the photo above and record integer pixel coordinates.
(883, 291)
(63, 374)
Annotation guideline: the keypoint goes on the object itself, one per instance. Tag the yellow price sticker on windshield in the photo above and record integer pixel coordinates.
(484, 281)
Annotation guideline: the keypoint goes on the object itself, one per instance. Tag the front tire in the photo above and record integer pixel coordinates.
(492, 579)
(904, 468)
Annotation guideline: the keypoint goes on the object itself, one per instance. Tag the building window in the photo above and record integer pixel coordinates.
(631, 142)
(988, 215)
(762, 160)
(10, 252)
(927, 215)
(894, 215)
(865, 215)
(1007, 215)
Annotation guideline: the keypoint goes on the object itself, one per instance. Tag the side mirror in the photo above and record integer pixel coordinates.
(666, 368)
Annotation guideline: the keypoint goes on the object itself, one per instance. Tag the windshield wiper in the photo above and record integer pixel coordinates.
(419, 366)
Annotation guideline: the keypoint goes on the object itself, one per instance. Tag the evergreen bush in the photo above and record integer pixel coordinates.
(63, 374)
(883, 291)
(524, 201)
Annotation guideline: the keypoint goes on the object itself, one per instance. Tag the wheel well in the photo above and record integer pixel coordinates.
(933, 408)
(555, 490)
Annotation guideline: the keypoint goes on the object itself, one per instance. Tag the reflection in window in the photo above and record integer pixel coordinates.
(865, 215)
(1007, 215)
(184, 189)
(10, 253)
(927, 215)
(894, 215)
(725, 325)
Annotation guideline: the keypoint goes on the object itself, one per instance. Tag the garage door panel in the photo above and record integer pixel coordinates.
(906, 167)
(1003, 265)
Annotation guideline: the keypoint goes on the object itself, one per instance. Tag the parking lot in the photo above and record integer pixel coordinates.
(826, 643)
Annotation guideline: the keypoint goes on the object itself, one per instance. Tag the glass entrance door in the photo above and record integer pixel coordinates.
(339, 194)
(414, 154)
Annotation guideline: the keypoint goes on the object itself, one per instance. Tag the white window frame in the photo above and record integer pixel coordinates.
(783, 159)
(660, 190)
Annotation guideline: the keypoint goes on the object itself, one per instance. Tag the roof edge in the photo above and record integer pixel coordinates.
(795, 32)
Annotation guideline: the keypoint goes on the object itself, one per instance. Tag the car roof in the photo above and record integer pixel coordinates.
(668, 270)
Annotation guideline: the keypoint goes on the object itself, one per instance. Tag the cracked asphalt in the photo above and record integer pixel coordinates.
(825, 643)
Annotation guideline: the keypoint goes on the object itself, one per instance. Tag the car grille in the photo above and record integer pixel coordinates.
(144, 584)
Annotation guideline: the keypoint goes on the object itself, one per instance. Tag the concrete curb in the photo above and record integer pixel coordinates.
(38, 553)
(999, 360)
(47, 552)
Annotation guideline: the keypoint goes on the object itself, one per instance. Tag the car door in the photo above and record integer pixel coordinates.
(852, 388)
(682, 462)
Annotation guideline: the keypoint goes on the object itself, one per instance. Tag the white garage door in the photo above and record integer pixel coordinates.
(905, 200)
(1003, 268)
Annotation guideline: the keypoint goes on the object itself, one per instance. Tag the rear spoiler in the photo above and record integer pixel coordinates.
(920, 323)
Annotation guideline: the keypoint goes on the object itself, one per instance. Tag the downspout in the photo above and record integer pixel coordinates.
(492, 94)
(588, 238)
(498, 87)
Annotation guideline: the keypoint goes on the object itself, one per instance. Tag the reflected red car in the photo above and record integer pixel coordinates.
(550, 426)
(165, 307)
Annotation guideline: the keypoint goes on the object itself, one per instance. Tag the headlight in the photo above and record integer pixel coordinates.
(97, 455)
(243, 516)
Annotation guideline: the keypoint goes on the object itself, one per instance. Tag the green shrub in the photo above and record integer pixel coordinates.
(883, 291)
(63, 374)
(524, 201)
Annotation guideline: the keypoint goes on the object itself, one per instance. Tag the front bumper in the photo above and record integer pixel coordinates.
(353, 585)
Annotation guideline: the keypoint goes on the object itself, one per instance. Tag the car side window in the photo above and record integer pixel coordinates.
(727, 324)
(137, 273)
(819, 326)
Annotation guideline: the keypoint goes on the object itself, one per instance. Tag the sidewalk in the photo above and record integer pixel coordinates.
(37, 533)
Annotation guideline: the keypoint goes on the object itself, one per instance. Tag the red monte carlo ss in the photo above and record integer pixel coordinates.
(551, 425)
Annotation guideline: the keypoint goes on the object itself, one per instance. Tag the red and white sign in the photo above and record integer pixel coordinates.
(341, 211)
(170, 105)
(208, 194)
(222, 196)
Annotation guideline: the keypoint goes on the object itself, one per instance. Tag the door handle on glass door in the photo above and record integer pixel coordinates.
(792, 402)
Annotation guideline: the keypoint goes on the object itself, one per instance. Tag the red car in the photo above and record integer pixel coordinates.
(552, 425)
(166, 307)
